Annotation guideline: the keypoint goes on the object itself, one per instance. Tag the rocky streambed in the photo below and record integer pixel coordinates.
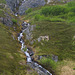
(29, 53)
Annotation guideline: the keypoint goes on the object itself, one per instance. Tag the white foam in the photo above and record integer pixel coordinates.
(29, 60)
(27, 54)
(16, 15)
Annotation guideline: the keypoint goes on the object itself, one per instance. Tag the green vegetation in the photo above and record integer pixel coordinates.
(3, 1)
(12, 60)
(1, 13)
(28, 11)
(2, 6)
(56, 13)
(9, 56)
(57, 22)
(14, 21)
(53, 10)
(73, 68)
(48, 62)
(60, 43)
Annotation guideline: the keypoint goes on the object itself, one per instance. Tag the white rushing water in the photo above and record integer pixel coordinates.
(34, 65)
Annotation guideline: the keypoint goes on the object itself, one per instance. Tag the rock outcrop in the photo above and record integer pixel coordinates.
(21, 6)
(28, 31)
(5, 15)
(14, 4)
(7, 20)
(30, 4)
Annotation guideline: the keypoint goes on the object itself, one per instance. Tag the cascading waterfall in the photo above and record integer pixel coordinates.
(40, 70)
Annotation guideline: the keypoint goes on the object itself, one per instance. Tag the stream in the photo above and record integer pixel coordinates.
(29, 53)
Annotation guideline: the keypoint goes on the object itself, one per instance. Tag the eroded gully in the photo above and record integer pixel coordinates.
(29, 53)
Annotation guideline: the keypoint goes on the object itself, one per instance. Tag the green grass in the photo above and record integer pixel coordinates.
(12, 60)
(58, 22)
(3, 1)
(60, 42)
(9, 55)
(14, 21)
(48, 63)
(2, 13)
(59, 26)
(56, 13)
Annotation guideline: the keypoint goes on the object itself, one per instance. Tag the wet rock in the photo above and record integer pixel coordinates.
(30, 60)
(28, 31)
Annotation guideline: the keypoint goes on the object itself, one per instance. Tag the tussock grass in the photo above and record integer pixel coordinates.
(3, 1)
(58, 22)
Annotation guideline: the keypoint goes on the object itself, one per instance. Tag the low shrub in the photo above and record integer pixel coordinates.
(1, 13)
(71, 4)
(53, 10)
(14, 21)
(41, 17)
(37, 17)
(72, 9)
(72, 20)
(73, 68)
(48, 62)
(28, 11)
(57, 20)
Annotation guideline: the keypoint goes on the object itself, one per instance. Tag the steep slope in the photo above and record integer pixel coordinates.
(54, 36)
(20, 6)
(12, 60)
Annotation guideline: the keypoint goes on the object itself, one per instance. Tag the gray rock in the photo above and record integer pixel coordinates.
(30, 4)
(13, 4)
(1, 19)
(55, 58)
(39, 39)
(28, 31)
(7, 20)
(24, 5)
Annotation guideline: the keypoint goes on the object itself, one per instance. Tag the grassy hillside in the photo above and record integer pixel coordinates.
(12, 60)
(3, 1)
(57, 22)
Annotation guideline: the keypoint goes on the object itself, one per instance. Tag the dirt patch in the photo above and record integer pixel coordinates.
(68, 68)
